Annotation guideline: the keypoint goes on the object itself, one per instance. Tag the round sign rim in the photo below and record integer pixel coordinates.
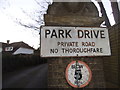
(75, 86)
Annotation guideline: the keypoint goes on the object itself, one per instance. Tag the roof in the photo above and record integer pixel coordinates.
(16, 45)
(21, 44)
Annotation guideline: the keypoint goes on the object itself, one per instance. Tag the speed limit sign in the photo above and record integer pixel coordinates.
(78, 74)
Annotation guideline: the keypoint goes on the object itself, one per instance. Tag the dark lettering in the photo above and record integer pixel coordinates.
(80, 35)
(58, 43)
(96, 34)
(47, 32)
(86, 34)
(83, 44)
(88, 43)
(101, 50)
(68, 33)
(102, 34)
(53, 50)
(61, 33)
(53, 34)
(91, 34)
(97, 49)
(93, 43)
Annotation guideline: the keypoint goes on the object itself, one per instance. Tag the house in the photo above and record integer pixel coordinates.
(0, 47)
(17, 48)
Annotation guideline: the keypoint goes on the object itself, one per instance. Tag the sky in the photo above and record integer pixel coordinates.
(12, 9)
(10, 30)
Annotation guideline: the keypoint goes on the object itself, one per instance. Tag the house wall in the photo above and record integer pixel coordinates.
(0, 65)
(23, 51)
(0, 47)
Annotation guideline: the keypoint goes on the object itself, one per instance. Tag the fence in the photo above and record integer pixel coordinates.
(11, 63)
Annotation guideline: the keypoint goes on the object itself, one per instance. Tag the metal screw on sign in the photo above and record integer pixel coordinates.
(78, 74)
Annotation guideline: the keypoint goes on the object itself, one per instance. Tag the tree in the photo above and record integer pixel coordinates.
(104, 14)
(31, 16)
(39, 20)
(116, 12)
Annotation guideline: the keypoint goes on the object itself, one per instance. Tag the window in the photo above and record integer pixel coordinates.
(9, 49)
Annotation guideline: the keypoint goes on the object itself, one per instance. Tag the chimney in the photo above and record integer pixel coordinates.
(8, 41)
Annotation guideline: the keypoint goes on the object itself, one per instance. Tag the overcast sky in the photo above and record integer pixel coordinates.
(12, 9)
(9, 30)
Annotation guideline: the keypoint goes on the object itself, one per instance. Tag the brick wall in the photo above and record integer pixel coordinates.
(112, 63)
(57, 67)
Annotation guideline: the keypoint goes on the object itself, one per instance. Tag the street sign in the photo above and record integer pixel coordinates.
(78, 74)
(74, 41)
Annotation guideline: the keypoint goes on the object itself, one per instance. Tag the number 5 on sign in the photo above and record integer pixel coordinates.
(78, 74)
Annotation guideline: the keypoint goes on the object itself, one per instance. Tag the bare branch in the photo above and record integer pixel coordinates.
(37, 21)
(39, 4)
(30, 26)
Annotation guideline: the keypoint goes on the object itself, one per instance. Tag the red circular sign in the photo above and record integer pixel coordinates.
(78, 74)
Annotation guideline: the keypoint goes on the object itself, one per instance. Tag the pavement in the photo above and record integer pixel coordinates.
(32, 77)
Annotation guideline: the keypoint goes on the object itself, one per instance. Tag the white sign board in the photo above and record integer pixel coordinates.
(78, 74)
(74, 41)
